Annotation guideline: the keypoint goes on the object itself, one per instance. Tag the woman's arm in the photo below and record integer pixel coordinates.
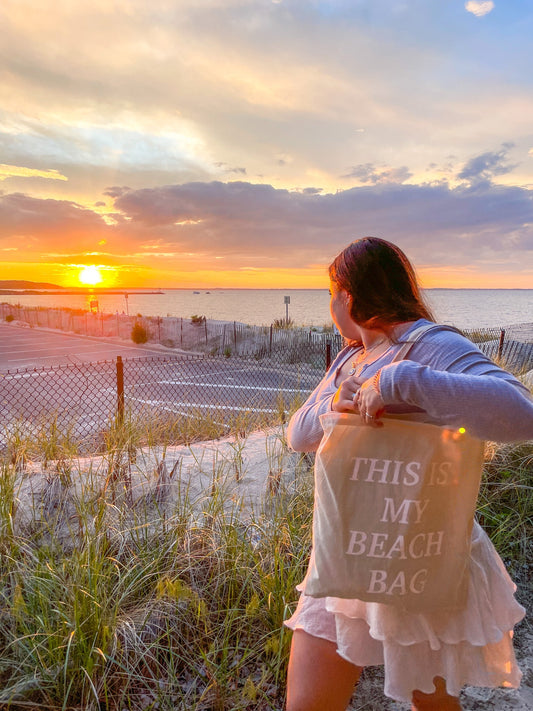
(305, 431)
(460, 387)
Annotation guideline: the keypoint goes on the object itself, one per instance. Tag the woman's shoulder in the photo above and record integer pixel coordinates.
(445, 347)
(424, 331)
(423, 328)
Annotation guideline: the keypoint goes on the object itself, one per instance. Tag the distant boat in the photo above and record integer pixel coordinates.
(195, 292)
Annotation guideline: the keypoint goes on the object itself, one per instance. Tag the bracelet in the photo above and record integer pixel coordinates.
(375, 382)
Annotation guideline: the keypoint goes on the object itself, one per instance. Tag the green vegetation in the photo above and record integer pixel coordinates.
(110, 600)
(139, 333)
(505, 505)
(280, 323)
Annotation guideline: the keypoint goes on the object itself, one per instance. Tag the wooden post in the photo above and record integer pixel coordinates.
(500, 346)
(328, 354)
(120, 390)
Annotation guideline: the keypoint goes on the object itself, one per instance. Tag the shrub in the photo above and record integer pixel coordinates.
(283, 323)
(139, 333)
(197, 320)
(10, 318)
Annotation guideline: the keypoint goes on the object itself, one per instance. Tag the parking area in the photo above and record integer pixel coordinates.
(24, 347)
(76, 383)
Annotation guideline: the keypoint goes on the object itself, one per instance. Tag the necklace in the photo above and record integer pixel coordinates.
(357, 361)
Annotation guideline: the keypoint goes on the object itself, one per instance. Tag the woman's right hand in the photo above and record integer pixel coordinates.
(359, 396)
(343, 400)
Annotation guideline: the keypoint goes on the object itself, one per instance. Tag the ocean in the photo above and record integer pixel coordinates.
(464, 308)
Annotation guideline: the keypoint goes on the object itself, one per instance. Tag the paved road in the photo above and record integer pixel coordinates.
(65, 382)
(34, 348)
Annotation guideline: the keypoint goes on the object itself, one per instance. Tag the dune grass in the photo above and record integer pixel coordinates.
(505, 504)
(107, 603)
(162, 604)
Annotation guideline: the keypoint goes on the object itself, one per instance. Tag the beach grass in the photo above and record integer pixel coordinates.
(111, 601)
(505, 505)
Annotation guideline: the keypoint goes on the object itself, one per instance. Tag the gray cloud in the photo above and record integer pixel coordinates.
(439, 224)
(228, 169)
(23, 215)
(369, 173)
(257, 223)
(116, 191)
(484, 167)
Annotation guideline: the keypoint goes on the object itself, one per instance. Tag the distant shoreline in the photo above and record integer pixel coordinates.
(67, 292)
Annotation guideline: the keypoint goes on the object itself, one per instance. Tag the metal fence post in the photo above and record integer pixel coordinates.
(500, 346)
(120, 390)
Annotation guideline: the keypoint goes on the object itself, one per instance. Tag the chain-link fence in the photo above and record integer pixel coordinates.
(173, 399)
(185, 397)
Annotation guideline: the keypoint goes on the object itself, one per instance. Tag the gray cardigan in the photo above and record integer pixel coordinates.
(445, 376)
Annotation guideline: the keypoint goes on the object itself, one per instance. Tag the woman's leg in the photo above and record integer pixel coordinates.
(439, 700)
(318, 678)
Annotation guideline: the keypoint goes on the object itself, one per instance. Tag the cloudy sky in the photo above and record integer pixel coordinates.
(245, 142)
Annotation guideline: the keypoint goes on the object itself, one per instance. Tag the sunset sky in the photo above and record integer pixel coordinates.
(182, 143)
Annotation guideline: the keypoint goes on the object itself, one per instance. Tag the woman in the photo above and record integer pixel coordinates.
(376, 305)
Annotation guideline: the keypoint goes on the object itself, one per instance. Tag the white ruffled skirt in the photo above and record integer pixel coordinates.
(471, 646)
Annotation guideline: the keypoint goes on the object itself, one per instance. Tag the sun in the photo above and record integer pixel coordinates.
(90, 275)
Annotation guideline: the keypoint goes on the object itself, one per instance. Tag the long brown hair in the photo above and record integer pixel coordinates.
(381, 282)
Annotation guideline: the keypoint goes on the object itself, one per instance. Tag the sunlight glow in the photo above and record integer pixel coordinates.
(90, 275)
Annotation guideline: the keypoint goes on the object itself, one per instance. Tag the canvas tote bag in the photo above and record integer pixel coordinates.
(393, 512)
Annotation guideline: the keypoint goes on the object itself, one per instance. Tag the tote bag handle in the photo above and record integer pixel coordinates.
(416, 335)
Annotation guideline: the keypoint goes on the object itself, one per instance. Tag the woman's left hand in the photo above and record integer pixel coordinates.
(369, 402)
